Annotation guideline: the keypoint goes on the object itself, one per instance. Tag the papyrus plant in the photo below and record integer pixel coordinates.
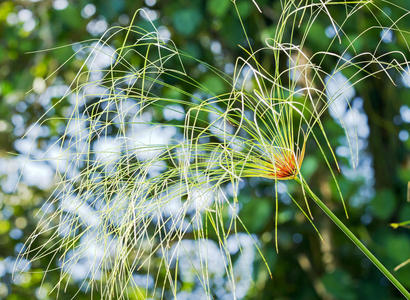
(137, 183)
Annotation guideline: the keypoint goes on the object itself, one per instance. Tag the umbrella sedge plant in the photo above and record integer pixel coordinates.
(137, 184)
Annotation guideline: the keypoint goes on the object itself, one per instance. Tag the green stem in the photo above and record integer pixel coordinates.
(355, 240)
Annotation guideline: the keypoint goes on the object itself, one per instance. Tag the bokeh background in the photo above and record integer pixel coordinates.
(305, 268)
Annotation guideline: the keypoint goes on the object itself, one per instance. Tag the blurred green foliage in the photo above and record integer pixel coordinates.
(209, 30)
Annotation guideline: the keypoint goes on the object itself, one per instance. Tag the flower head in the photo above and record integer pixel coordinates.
(287, 163)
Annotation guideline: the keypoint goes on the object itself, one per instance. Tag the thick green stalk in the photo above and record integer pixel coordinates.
(355, 240)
